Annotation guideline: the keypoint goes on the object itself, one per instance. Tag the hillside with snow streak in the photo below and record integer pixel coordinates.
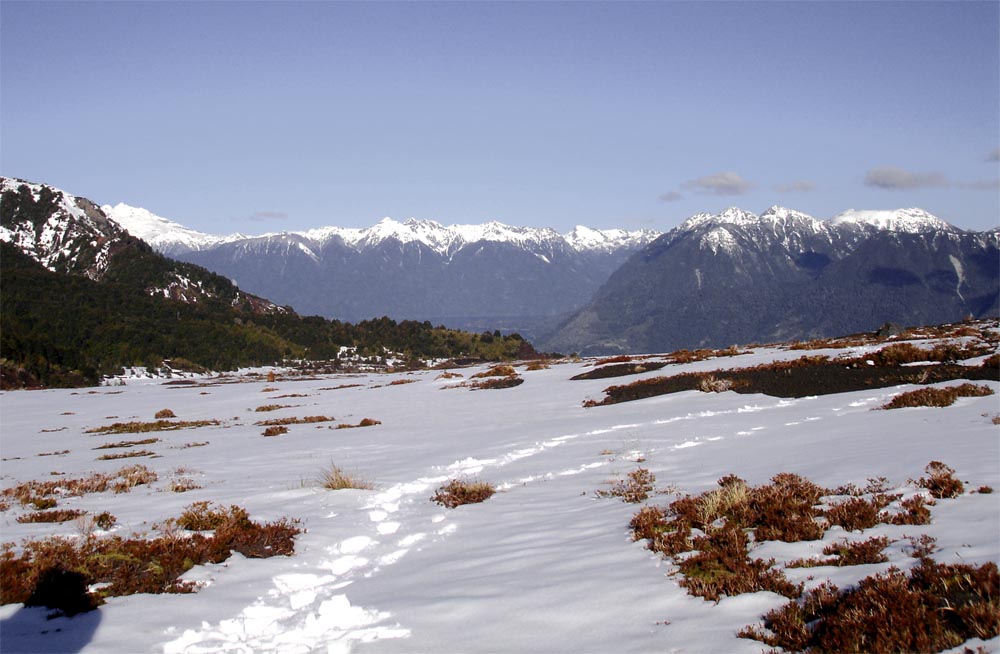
(545, 564)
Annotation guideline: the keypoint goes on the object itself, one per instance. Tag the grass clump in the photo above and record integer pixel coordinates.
(844, 553)
(366, 422)
(122, 444)
(293, 421)
(496, 383)
(276, 430)
(934, 608)
(941, 481)
(158, 425)
(271, 407)
(497, 371)
(335, 478)
(936, 397)
(463, 491)
(125, 455)
(125, 566)
(58, 515)
(635, 488)
(164, 413)
(42, 494)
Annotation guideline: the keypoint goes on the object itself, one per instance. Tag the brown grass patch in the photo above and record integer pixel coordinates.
(934, 608)
(400, 382)
(463, 491)
(936, 397)
(164, 413)
(335, 478)
(125, 455)
(276, 430)
(58, 515)
(293, 421)
(59, 453)
(159, 425)
(42, 491)
(272, 407)
(128, 566)
(635, 488)
(941, 481)
(126, 444)
(496, 383)
(619, 370)
(366, 422)
(497, 371)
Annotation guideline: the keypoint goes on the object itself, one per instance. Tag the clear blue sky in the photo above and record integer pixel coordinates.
(253, 117)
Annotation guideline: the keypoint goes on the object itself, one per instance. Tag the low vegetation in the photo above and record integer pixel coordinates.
(42, 494)
(158, 425)
(463, 491)
(164, 413)
(335, 478)
(365, 422)
(125, 444)
(937, 397)
(57, 572)
(294, 421)
(57, 515)
(635, 488)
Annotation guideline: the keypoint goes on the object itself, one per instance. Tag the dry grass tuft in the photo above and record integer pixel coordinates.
(159, 425)
(122, 444)
(497, 371)
(366, 422)
(940, 481)
(131, 454)
(164, 413)
(463, 491)
(123, 566)
(294, 421)
(42, 493)
(635, 488)
(276, 430)
(335, 478)
(937, 397)
(59, 515)
(272, 407)
(400, 382)
(936, 607)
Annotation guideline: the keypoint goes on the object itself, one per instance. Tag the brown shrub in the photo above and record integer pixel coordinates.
(722, 566)
(200, 516)
(105, 520)
(463, 491)
(915, 512)
(125, 455)
(164, 413)
(635, 488)
(334, 478)
(40, 493)
(276, 430)
(159, 425)
(854, 514)
(272, 407)
(293, 421)
(940, 481)
(59, 515)
(937, 607)
(498, 383)
(497, 371)
(128, 566)
(400, 382)
(859, 552)
(937, 397)
(119, 444)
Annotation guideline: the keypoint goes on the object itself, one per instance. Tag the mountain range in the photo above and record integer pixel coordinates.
(478, 277)
(738, 277)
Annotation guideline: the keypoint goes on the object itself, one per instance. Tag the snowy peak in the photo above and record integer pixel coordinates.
(172, 237)
(163, 234)
(909, 221)
(64, 233)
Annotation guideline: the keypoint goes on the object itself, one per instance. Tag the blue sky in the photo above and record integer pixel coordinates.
(253, 117)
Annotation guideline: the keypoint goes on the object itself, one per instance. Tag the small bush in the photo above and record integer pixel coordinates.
(164, 413)
(105, 520)
(201, 517)
(271, 407)
(859, 552)
(635, 488)
(915, 512)
(936, 607)
(159, 425)
(125, 455)
(936, 397)
(986, 490)
(366, 422)
(334, 478)
(709, 384)
(497, 371)
(275, 431)
(59, 515)
(462, 491)
(125, 444)
(940, 481)
(854, 514)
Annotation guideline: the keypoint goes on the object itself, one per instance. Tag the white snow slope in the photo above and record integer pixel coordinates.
(543, 566)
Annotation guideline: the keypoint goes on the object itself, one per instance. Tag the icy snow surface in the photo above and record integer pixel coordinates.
(544, 565)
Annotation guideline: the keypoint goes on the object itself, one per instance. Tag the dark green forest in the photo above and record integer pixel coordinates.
(66, 330)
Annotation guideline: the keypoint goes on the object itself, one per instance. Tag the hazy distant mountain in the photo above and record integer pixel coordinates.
(737, 277)
(467, 276)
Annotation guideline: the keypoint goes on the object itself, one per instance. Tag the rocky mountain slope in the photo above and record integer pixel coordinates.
(466, 276)
(737, 277)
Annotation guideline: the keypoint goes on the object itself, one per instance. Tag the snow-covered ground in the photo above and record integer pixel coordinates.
(544, 565)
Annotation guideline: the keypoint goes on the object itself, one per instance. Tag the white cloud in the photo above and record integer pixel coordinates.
(798, 186)
(893, 178)
(726, 183)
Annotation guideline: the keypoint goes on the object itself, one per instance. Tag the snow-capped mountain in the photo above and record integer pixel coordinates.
(488, 275)
(72, 235)
(736, 276)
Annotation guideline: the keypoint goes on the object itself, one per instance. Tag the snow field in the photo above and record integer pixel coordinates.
(543, 565)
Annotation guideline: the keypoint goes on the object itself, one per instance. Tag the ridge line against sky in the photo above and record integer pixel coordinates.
(231, 117)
